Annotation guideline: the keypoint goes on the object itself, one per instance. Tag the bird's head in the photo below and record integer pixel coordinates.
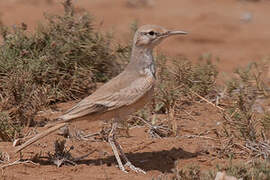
(148, 36)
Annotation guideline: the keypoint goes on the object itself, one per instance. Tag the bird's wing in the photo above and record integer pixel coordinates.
(98, 103)
(128, 95)
(102, 101)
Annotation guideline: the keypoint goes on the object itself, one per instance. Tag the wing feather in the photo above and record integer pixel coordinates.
(101, 102)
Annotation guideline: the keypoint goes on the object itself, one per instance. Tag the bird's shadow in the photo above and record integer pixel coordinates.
(163, 161)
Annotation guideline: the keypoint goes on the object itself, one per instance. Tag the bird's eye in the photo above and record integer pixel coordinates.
(151, 33)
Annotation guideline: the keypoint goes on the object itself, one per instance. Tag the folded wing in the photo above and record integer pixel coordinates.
(106, 100)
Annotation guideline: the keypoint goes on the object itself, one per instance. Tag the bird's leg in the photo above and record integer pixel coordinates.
(128, 163)
(112, 141)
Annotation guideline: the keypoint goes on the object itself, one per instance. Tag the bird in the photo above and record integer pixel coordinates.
(123, 95)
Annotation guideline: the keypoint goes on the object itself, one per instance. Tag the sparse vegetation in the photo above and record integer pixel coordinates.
(179, 84)
(8, 129)
(258, 170)
(179, 81)
(60, 61)
(63, 59)
(255, 170)
(245, 121)
(61, 155)
(245, 125)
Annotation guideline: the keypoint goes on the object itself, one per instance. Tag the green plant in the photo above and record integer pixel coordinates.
(258, 170)
(243, 124)
(179, 81)
(8, 130)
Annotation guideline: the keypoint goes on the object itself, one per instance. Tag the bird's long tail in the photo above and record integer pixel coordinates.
(40, 136)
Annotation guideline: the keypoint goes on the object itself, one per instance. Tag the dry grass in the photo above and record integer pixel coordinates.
(244, 133)
(245, 123)
(258, 170)
(179, 81)
(179, 84)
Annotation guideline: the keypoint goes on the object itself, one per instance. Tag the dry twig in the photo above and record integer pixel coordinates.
(206, 100)
(16, 163)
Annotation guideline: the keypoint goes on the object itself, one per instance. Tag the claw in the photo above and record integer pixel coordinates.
(134, 168)
(123, 169)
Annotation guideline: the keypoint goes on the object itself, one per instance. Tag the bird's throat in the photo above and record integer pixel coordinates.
(142, 60)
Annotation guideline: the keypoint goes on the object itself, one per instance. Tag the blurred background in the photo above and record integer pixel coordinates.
(234, 31)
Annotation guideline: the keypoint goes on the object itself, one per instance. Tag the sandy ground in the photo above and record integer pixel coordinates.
(234, 31)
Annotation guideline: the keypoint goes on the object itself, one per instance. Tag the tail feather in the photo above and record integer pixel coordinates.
(61, 119)
(40, 136)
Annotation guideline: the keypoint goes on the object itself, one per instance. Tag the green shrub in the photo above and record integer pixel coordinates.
(61, 60)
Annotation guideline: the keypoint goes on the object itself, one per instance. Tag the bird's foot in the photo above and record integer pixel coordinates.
(123, 169)
(134, 168)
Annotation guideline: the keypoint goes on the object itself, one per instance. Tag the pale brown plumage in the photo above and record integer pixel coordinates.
(121, 96)
(121, 91)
